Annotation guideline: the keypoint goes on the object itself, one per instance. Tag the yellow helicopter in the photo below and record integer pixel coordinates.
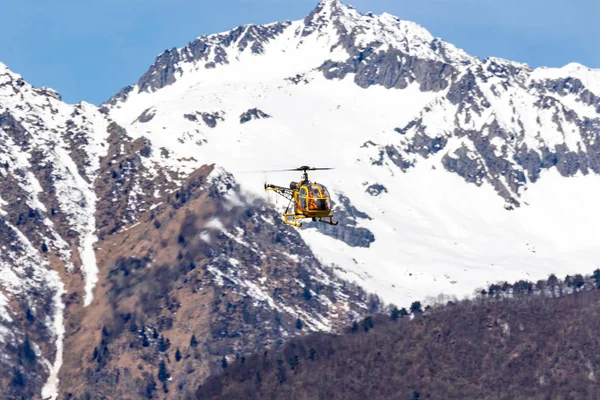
(311, 199)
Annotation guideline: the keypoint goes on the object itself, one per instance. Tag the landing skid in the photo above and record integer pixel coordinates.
(330, 222)
(286, 220)
(298, 217)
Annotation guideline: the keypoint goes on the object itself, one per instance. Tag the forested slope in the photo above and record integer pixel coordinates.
(520, 341)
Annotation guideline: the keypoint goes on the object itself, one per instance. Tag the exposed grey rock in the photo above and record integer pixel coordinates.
(146, 116)
(465, 91)
(396, 157)
(568, 86)
(168, 65)
(421, 143)
(410, 125)
(251, 114)
(382, 68)
(376, 189)
(15, 130)
(315, 20)
(162, 72)
(49, 92)
(122, 96)
(299, 78)
(210, 118)
(466, 165)
(531, 162)
(191, 117)
(347, 230)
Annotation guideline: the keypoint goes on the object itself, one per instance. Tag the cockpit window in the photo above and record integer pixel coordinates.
(314, 197)
(315, 191)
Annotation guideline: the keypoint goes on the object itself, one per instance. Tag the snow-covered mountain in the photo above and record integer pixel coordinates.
(106, 252)
(452, 172)
(133, 235)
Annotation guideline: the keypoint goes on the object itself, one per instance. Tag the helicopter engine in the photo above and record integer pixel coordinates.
(295, 186)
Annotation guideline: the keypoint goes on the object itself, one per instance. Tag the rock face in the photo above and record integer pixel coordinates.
(207, 52)
(501, 139)
(150, 273)
(50, 155)
(495, 114)
(251, 114)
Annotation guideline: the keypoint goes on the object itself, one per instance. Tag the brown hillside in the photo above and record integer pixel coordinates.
(201, 278)
(528, 346)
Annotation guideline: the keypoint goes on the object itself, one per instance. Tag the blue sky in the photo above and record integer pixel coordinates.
(89, 49)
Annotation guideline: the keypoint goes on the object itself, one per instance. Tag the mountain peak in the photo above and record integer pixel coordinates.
(327, 11)
(329, 4)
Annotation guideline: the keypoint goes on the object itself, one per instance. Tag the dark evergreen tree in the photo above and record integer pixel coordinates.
(163, 344)
(354, 327)
(596, 277)
(193, 341)
(29, 315)
(541, 286)
(493, 290)
(18, 379)
(552, 284)
(569, 282)
(298, 324)
(578, 282)
(403, 312)
(311, 354)
(44, 247)
(150, 389)
(523, 288)
(163, 374)
(177, 355)
(367, 324)
(395, 314)
(415, 307)
(307, 295)
(27, 351)
(258, 379)
(506, 288)
(224, 363)
(294, 362)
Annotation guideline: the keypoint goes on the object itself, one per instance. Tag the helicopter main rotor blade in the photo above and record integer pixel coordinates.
(288, 170)
(270, 170)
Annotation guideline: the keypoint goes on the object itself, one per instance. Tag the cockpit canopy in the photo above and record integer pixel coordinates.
(314, 197)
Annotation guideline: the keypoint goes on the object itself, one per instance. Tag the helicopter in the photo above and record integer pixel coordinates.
(311, 199)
